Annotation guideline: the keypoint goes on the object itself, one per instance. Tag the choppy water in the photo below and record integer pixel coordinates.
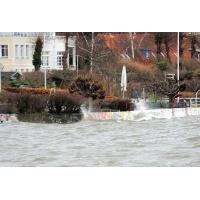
(155, 142)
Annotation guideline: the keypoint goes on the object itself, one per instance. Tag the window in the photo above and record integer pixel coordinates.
(6, 34)
(25, 34)
(146, 53)
(30, 51)
(60, 58)
(4, 51)
(45, 58)
(16, 33)
(27, 51)
(22, 51)
(33, 49)
(17, 55)
(70, 56)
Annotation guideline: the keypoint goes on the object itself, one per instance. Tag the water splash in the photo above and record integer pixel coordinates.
(141, 111)
(85, 111)
(143, 115)
(141, 104)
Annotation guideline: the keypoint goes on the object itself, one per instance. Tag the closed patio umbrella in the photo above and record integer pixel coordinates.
(123, 81)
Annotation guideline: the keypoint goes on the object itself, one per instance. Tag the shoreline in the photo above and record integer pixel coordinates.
(66, 118)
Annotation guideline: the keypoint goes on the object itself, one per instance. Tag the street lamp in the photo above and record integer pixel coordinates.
(45, 67)
(1, 69)
(178, 67)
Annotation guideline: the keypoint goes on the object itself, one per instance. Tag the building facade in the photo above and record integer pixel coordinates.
(17, 48)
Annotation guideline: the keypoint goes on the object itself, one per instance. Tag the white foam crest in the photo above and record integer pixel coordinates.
(142, 115)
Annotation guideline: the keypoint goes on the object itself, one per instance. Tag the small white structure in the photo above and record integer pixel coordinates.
(170, 76)
(53, 52)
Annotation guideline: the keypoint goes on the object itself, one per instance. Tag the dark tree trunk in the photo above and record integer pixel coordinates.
(166, 42)
(193, 43)
(65, 56)
(181, 49)
(158, 42)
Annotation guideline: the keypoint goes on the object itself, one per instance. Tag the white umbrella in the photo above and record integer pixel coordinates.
(123, 80)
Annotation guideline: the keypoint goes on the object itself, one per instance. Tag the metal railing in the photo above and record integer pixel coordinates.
(190, 102)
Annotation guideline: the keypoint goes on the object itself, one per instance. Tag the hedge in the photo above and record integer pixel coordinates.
(36, 90)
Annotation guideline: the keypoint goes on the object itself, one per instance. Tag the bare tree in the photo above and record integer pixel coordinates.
(66, 53)
(193, 43)
(158, 42)
(193, 84)
(92, 49)
(168, 88)
(91, 53)
(166, 40)
(132, 44)
(181, 49)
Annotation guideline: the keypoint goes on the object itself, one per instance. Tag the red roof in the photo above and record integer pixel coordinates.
(120, 43)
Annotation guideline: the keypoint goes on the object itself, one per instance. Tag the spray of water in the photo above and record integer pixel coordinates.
(142, 112)
(86, 109)
(141, 105)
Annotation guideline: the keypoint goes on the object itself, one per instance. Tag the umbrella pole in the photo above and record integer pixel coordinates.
(123, 94)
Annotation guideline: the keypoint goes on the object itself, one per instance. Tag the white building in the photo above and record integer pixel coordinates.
(17, 48)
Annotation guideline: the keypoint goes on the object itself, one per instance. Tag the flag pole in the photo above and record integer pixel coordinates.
(178, 67)
(45, 70)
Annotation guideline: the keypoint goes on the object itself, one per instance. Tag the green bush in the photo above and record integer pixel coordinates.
(162, 65)
(20, 83)
(37, 55)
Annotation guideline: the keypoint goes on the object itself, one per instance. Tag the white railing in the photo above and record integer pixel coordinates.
(191, 102)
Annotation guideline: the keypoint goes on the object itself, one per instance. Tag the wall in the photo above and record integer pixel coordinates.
(12, 63)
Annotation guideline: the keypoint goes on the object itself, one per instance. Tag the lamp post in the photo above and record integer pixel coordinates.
(178, 67)
(45, 67)
(1, 69)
